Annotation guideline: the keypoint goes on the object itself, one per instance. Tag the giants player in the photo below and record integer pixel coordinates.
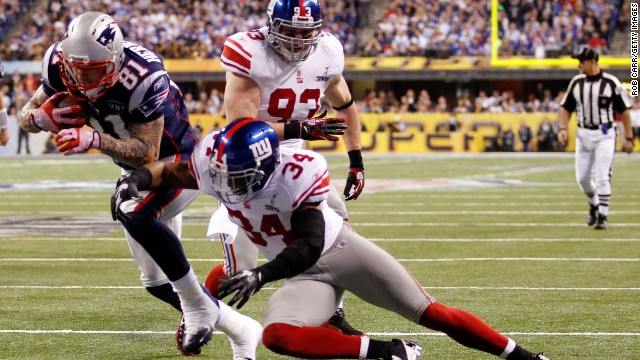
(278, 197)
(595, 95)
(278, 74)
(137, 115)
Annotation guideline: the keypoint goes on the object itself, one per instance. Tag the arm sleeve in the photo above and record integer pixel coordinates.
(307, 226)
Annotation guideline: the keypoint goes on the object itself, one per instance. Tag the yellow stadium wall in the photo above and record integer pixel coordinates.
(424, 133)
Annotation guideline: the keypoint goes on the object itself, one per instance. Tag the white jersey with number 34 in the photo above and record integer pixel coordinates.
(288, 91)
(301, 177)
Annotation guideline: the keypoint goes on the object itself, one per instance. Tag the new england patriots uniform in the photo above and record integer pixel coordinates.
(143, 93)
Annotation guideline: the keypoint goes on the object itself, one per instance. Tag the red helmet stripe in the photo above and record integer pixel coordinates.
(303, 10)
(230, 132)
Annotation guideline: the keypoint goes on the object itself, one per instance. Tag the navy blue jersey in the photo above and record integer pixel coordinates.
(142, 94)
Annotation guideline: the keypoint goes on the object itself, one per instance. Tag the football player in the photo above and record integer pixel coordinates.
(278, 196)
(136, 115)
(278, 73)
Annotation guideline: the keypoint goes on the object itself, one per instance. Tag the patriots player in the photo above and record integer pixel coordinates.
(278, 196)
(278, 73)
(136, 115)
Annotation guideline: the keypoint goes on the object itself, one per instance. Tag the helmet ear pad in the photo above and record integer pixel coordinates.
(244, 159)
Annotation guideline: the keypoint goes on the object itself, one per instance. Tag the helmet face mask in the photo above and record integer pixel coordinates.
(244, 157)
(92, 54)
(294, 28)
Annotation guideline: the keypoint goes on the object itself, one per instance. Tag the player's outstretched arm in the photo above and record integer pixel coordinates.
(151, 176)
(340, 96)
(307, 228)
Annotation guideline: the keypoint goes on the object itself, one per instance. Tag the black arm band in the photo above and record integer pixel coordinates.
(307, 227)
(141, 177)
(355, 159)
(630, 139)
(345, 106)
(292, 130)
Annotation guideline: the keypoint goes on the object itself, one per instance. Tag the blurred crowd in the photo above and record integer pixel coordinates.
(197, 29)
(421, 101)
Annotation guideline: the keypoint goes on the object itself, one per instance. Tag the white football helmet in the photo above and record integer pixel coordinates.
(92, 54)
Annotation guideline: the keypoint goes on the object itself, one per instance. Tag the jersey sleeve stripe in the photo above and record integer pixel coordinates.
(319, 187)
(233, 53)
(228, 64)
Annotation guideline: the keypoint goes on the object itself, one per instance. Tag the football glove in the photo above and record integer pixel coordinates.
(126, 190)
(246, 284)
(355, 176)
(50, 118)
(77, 140)
(315, 129)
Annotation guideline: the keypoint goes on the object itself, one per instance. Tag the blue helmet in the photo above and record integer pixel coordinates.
(244, 157)
(294, 27)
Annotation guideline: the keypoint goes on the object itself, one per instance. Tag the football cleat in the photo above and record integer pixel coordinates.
(540, 356)
(403, 350)
(180, 340)
(339, 322)
(198, 326)
(601, 223)
(593, 215)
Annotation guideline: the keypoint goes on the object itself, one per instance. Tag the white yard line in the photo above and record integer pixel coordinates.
(401, 260)
(149, 332)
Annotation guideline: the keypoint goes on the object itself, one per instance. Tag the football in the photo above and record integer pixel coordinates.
(68, 100)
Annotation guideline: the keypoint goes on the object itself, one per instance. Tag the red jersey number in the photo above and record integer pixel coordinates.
(269, 225)
(289, 97)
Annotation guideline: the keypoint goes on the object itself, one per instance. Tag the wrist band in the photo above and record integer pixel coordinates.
(565, 129)
(630, 139)
(345, 106)
(355, 159)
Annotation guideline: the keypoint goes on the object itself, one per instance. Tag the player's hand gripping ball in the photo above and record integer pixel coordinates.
(61, 111)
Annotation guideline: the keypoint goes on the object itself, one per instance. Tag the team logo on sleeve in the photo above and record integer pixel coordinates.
(154, 102)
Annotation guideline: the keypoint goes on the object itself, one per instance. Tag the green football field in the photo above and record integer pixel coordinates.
(500, 235)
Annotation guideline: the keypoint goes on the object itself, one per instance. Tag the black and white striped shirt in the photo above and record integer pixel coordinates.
(594, 99)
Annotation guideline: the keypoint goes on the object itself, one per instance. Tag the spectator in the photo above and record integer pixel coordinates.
(507, 139)
(546, 136)
(525, 135)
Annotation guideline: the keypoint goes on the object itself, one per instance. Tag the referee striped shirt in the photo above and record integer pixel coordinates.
(594, 99)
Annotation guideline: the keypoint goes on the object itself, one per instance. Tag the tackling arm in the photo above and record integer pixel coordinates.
(308, 227)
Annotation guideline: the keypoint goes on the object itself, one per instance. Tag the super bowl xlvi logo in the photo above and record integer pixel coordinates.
(270, 206)
(261, 150)
(107, 36)
(116, 106)
(325, 76)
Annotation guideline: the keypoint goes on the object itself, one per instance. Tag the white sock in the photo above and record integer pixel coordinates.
(189, 290)
(230, 321)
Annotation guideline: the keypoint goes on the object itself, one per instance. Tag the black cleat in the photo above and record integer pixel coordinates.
(540, 356)
(593, 215)
(339, 322)
(403, 350)
(601, 223)
(180, 340)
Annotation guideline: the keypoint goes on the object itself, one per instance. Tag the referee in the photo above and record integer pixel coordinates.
(594, 95)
